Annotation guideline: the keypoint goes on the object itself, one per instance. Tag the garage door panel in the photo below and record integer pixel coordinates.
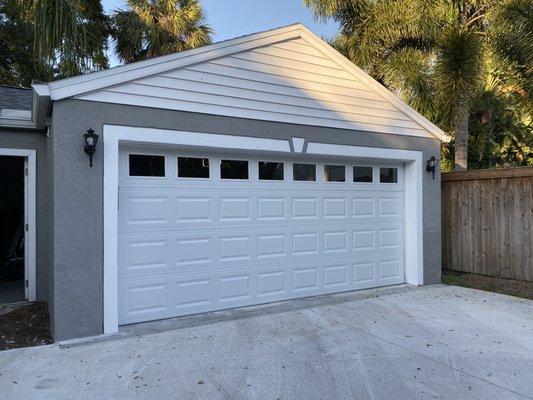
(190, 245)
(194, 293)
(256, 265)
(164, 252)
(142, 212)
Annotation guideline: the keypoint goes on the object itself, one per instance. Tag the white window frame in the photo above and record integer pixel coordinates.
(30, 209)
(115, 136)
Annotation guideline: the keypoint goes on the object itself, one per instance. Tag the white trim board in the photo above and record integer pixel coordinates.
(114, 136)
(30, 272)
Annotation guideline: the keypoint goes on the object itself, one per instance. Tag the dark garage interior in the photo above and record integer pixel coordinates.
(11, 229)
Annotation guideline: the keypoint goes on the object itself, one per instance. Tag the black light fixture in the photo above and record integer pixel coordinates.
(91, 139)
(431, 165)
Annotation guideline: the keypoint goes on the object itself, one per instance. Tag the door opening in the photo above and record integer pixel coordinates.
(12, 229)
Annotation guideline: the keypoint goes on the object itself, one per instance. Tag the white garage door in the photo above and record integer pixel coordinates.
(202, 232)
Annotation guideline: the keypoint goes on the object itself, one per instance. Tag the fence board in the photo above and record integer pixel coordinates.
(487, 222)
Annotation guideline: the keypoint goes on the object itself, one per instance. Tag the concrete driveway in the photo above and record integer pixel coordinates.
(435, 342)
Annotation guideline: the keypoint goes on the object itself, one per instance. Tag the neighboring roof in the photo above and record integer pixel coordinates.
(15, 98)
(286, 74)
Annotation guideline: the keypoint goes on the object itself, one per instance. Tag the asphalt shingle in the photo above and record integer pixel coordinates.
(15, 98)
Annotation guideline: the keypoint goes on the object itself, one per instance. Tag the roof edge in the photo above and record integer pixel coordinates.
(372, 83)
(75, 86)
(82, 84)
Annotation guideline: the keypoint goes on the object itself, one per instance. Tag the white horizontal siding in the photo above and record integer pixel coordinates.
(268, 94)
(296, 82)
(289, 81)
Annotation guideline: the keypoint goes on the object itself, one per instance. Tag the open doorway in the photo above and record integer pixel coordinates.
(12, 229)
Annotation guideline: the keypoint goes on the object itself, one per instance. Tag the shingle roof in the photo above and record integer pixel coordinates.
(15, 98)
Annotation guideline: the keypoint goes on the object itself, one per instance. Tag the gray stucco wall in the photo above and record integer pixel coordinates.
(32, 140)
(78, 213)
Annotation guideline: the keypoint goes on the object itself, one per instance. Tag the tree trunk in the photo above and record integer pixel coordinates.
(461, 144)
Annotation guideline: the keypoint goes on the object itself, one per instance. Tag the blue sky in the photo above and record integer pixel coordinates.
(231, 18)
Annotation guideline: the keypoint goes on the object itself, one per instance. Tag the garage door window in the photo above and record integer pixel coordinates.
(233, 169)
(270, 171)
(334, 173)
(304, 172)
(146, 165)
(362, 174)
(388, 175)
(189, 167)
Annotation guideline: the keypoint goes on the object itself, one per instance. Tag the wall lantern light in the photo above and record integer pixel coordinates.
(91, 139)
(431, 165)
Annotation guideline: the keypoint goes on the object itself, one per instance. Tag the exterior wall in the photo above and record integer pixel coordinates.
(78, 212)
(33, 140)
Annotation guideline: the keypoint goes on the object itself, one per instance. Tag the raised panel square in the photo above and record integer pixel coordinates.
(192, 251)
(363, 240)
(305, 279)
(234, 248)
(194, 293)
(147, 298)
(335, 241)
(304, 243)
(363, 207)
(234, 288)
(334, 207)
(270, 245)
(271, 208)
(389, 269)
(389, 238)
(146, 254)
(335, 275)
(234, 209)
(192, 210)
(271, 283)
(147, 210)
(304, 207)
(389, 207)
(363, 272)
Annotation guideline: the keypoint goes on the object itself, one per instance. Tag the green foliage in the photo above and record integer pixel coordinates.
(511, 38)
(440, 57)
(457, 72)
(501, 134)
(158, 27)
(51, 39)
(18, 61)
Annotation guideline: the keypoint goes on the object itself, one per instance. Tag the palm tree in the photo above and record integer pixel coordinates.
(67, 37)
(151, 28)
(434, 53)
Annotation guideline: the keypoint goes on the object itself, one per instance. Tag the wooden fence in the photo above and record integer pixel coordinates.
(487, 222)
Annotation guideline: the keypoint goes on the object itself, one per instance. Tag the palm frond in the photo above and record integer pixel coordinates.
(154, 28)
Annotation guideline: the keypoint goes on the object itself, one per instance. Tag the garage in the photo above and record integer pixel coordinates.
(258, 169)
(201, 231)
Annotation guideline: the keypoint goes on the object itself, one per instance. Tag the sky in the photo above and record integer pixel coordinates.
(232, 18)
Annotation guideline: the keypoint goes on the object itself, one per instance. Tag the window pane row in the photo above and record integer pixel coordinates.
(192, 167)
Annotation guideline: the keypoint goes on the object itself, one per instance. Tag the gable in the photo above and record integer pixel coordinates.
(285, 75)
